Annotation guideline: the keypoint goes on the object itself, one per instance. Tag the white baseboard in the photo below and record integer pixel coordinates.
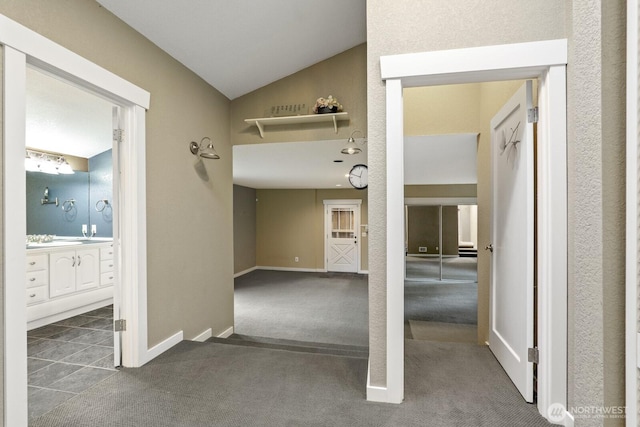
(568, 419)
(243, 272)
(375, 393)
(226, 333)
(160, 348)
(203, 336)
(304, 270)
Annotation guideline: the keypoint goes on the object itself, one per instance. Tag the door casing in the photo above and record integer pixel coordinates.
(545, 61)
(21, 47)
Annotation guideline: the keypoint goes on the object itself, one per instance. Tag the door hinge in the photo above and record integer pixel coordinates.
(118, 135)
(120, 325)
(533, 355)
(532, 115)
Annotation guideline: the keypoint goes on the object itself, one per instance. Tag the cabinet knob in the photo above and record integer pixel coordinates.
(32, 295)
(110, 265)
(33, 279)
(32, 263)
(110, 277)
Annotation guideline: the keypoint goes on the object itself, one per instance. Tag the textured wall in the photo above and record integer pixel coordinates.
(189, 205)
(413, 26)
(2, 227)
(244, 228)
(596, 126)
(342, 76)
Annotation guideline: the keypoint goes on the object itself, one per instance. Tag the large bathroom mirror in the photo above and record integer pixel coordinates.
(67, 124)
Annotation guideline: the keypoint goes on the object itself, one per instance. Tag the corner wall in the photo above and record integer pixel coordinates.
(244, 228)
(408, 26)
(189, 203)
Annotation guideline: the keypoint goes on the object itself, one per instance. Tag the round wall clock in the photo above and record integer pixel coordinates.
(358, 176)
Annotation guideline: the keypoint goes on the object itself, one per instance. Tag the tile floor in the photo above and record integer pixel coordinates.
(67, 357)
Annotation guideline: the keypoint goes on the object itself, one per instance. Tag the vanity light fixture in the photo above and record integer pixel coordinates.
(204, 149)
(54, 164)
(352, 147)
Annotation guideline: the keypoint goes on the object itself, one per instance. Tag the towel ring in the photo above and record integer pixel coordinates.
(67, 205)
(101, 205)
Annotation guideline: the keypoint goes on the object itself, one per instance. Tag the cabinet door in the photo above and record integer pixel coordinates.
(87, 269)
(62, 279)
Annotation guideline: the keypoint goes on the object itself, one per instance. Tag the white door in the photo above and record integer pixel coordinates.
(341, 224)
(511, 298)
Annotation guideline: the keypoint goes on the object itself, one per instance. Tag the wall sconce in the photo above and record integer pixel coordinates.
(53, 164)
(352, 146)
(204, 150)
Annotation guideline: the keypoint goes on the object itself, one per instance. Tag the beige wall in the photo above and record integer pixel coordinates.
(423, 229)
(342, 76)
(290, 223)
(413, 26)
(189, 237)
(244, 228)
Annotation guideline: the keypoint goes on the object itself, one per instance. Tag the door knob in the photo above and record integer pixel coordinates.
(489, 248)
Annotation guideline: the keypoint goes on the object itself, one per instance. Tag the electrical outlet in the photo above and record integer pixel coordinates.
(94, 230)
(422, 249)
(296, 259)
(84, 229)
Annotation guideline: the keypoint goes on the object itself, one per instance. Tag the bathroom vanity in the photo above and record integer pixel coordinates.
(68, 277)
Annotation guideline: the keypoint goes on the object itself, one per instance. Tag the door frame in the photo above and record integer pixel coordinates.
(22, 47)
(545, 61)
(353, 202)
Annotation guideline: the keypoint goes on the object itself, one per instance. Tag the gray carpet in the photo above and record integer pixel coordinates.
(209, 384)
(303, 306)
(441, 302)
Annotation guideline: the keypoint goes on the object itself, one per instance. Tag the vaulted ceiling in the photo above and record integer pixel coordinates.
(241, 45)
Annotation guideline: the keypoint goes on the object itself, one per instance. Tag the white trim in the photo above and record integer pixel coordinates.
(395, 242)
(243, 272)
(363, 271)
(163, 346)
(342, 202)
(486, 63)
(58, 61)
(552, 239)
(15, 228)
(490, 63)
(133, 234)
(304, 270)
(63, 62)
(632, 343)
(202, 337)
(226, 333)
(375, 393)
(437, 201)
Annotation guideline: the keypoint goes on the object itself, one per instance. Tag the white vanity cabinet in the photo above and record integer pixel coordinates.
(63, 281)
(37, 284)
(74, 270)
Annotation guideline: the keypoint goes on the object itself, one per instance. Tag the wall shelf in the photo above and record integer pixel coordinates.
(290, 120)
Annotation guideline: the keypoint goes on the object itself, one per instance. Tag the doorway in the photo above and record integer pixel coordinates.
(22, 48)
(342, 230)
(71, 269)
(545, 61)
